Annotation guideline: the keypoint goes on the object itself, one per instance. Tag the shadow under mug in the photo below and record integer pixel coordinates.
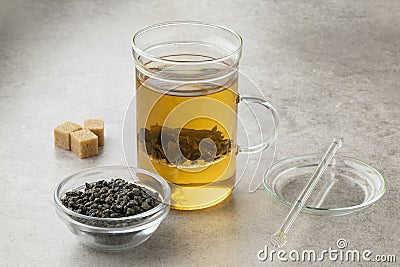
(186, 104)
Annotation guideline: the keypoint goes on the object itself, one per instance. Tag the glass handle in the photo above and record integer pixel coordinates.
(266, 142)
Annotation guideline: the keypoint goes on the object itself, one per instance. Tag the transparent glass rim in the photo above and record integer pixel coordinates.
(160, 207)
(314, 209)
(143, 53)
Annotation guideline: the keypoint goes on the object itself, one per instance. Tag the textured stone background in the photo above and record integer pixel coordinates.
(329, 67)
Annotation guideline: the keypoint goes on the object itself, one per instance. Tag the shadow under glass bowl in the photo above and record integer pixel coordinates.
(346, 186)
(113, 234)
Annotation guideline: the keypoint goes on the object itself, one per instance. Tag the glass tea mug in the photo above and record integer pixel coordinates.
(186, 109)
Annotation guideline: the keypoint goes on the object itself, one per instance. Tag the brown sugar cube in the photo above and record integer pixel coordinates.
(97, 127)
(62, 133)
(84, 143)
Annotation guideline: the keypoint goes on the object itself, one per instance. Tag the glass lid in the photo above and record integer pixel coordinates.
(346, 186)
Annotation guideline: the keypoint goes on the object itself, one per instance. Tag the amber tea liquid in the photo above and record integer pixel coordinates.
(188, 139)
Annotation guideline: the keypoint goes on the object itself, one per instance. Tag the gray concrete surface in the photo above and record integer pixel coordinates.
(330, 67)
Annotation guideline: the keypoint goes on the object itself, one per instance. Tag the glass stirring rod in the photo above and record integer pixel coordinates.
(279, 238)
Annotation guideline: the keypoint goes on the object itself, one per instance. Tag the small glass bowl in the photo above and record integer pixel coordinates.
(346, 186)
(113, 234)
